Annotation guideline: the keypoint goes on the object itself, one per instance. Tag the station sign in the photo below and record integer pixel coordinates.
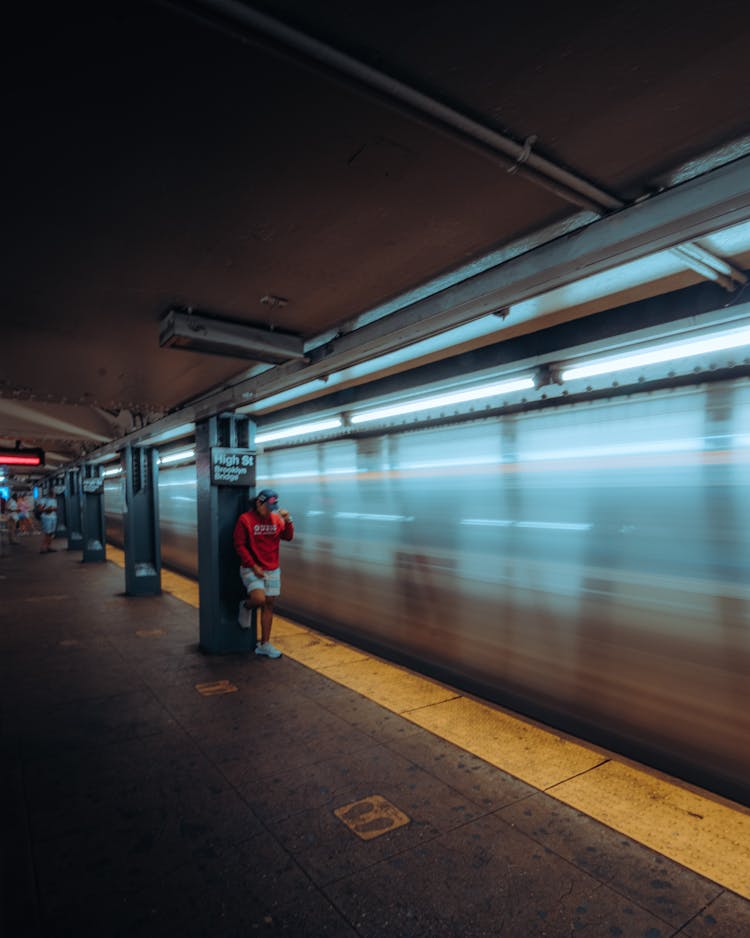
(93, 486)
(21, 457)
(232, 466)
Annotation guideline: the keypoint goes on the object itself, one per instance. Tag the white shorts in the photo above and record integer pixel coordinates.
(270, 582)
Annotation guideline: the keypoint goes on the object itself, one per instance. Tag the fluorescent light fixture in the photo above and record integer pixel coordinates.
(179, 456)
(112, 471)
(669, 351)
(200, 333)
(300, 429)
(524, 383)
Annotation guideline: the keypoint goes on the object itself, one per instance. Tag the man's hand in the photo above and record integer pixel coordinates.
(284, 514)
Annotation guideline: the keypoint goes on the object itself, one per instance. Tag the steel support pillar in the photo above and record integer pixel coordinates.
(73, 509)
(92, 515)
(141, 521)
(59, 491)
(225, 467)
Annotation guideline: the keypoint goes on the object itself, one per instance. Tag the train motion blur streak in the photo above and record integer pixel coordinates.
(587, 564)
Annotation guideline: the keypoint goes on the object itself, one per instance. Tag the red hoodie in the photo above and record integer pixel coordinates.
(256, 539)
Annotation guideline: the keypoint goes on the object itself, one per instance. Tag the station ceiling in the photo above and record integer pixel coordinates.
(357, 175)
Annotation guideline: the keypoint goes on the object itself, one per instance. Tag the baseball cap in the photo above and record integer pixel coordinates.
(268, 497)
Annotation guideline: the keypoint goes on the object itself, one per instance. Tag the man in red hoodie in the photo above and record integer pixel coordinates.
(256, 539)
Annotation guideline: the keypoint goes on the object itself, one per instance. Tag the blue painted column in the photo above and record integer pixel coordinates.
(92, 515)
(141, 521)
(225, 469)
(73, 509)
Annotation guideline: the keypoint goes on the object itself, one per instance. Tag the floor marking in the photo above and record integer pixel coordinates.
(214, 688)
(371, 817)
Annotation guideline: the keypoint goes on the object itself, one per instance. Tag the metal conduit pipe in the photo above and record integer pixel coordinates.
(233, 15)
(523, 160)
(535, 168)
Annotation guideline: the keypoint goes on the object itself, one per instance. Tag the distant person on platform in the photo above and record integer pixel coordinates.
(12, 508)
(48, 521)
(257, 535)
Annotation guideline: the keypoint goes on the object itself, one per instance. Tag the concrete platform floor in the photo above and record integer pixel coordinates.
(134, 805)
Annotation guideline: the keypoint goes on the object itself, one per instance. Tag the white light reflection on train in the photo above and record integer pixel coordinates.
(358, 516)
(543, 525)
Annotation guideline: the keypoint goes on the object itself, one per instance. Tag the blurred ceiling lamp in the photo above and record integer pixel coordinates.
(666, 352)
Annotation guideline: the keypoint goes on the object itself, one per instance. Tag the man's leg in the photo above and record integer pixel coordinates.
(266, 619)
(255, 598)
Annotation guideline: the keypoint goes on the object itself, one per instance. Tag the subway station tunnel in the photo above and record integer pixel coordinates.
(467, 285)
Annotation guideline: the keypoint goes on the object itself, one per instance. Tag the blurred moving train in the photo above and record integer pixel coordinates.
(586, 565)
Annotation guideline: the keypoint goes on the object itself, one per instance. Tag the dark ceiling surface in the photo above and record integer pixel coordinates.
(170, 154)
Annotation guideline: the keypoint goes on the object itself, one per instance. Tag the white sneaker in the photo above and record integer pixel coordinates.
(267, 649)
(245, 616)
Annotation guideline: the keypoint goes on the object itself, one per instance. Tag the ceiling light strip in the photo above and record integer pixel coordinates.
(670, 351)
(301, 429)
(180, 456)
(522, 383)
